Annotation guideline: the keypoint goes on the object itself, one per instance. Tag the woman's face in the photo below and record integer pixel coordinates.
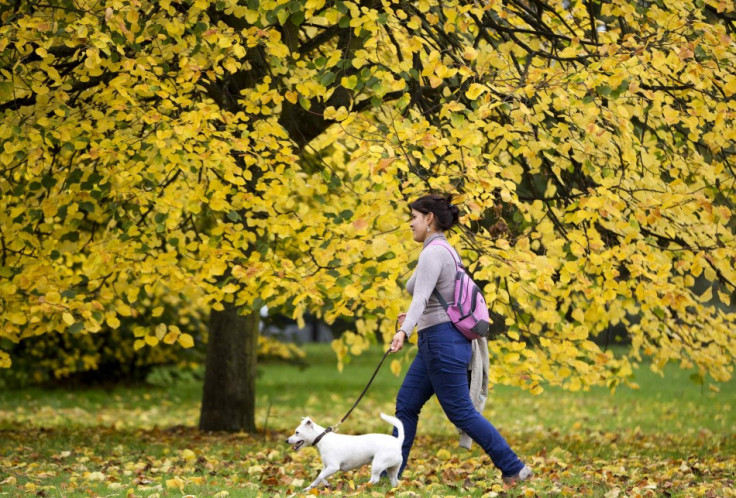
(419, 224)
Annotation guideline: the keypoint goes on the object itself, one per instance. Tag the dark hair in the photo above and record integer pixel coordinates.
(444, 211)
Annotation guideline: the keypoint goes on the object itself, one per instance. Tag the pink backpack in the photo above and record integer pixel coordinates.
(468, 312)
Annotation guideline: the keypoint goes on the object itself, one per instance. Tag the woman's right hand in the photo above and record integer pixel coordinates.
(398, 341)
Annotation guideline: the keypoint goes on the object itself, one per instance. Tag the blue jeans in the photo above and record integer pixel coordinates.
(441, 368)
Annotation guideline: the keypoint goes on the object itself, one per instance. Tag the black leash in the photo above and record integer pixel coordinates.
(334, 427)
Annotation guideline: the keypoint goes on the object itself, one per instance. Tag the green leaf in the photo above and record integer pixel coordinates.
(6, 90)
(70, 236)
(297, 19)
(327, 78)
(76, 328)
(48, 181)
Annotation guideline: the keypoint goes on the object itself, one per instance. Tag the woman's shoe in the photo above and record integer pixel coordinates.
(523, 475)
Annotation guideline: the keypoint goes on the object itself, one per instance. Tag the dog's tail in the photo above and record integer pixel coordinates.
(396, 423)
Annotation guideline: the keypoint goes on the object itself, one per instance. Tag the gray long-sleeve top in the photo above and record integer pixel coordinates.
(436, 268)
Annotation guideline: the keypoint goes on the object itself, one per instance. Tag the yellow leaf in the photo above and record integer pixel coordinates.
(570, 51)
(707, 295)
(157, 311)
(53, 297)
(138, 344)
(68, 318)
(230, 288)
(724, 297)
(113, 321)
(730, 87)
(341, 114)
(444, 454)
(218, 267)
(123, 309)
(475, 90)
(186, 341)
(395, 367)
(349, 82)
(160, 331)
(170, 338)
(470, 53)
(151, 340)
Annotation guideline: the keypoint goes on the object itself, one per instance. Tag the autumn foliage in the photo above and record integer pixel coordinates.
(209, 152)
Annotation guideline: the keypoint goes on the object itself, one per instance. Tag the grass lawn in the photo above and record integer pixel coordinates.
(669, 438)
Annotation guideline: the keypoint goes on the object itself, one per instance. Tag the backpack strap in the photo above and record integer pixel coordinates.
(441, 299)
(443, 243)
(446, 245)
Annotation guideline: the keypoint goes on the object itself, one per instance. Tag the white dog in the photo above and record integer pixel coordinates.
(342, 452)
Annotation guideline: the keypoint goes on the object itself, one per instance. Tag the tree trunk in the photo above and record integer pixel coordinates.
(228, 400)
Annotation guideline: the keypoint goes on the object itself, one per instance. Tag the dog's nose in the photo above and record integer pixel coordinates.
(287, 441)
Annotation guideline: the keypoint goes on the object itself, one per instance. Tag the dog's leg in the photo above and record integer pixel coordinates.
(375, 475)
(393, 475)
(322, 477)
(377, 467)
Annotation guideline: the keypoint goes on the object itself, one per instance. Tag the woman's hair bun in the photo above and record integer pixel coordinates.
(446, 213)
(455, 212)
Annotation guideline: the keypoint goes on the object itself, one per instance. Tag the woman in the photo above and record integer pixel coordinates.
(441, 365)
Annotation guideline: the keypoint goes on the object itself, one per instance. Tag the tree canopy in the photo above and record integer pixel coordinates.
(204, 152)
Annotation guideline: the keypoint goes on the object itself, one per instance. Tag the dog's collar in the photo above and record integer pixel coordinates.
(319, 438)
